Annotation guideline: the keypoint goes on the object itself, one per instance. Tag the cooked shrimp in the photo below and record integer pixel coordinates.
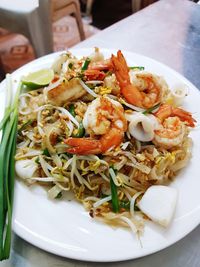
(66, 91)
(171, 133)
(104, 118)
(166, 111)
(92, 74)
(173, 128)
(97, 61)
(145, 92)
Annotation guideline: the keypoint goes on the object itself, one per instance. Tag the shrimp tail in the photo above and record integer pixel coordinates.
(184, 116)
(121, 69)
(163, 112)
(112, 139)
(83, 146)
(128, 90)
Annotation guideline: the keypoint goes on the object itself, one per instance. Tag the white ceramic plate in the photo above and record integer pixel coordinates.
(65, 228)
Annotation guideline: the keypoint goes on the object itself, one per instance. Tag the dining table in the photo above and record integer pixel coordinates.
(167, 31)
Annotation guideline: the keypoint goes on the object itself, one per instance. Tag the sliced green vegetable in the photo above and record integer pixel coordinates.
(29, 122)
(149, 110)
(136, 68)
(115, 200)
(86, 64)
(59, 195)
(72, 110)
(126, 205)
(68, 155)
(147, 143)
(37, 160)
(46, 152)
(81, 131)
(38, 79)
(70, 65)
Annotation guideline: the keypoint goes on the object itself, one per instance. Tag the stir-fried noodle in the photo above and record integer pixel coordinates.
(104, 131)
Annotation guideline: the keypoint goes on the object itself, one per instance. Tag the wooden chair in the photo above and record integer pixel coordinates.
(61, 8)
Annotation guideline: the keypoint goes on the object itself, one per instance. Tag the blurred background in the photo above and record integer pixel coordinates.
(69, 25)
(32, 28)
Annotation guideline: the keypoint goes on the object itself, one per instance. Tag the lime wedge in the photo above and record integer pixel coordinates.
(38, 79)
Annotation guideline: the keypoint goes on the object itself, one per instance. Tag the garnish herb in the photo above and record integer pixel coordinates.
(59, 195)
(24, 126)
(136, 68)
(72, 110)
(37, 160)
(85, 64)
(81, 131)
(8, 128)
(46, 152)
(149, 110)
(115, 200)
(70, 65)
(126, 205)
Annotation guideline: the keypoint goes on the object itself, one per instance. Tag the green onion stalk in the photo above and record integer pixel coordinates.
(86, 64)
(8, 128)
(113, 188)
(81, 130)
(149, 110)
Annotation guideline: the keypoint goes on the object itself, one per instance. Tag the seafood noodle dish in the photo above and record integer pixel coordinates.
(112, 134)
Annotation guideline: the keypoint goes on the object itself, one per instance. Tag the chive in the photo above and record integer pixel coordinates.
(7, 168)
(147, 143)
(46, 152)
(59, 195)
(37, 160)
(72, 110)
(68, 155)
(149, 110)
(136, 68)
(70, 65)
(115, 200)
(80, 76)
(5, 118)
(10, 187)
(85, 64)
(126, 205)
(29, 122)
(81, 131)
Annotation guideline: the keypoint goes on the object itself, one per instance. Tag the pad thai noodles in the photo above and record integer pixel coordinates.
(105, 131)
